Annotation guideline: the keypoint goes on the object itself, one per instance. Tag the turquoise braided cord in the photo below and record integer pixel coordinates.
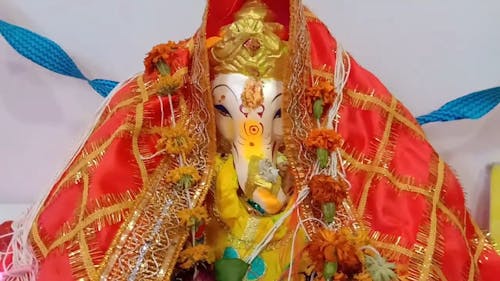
(49, 55)
(471, 106)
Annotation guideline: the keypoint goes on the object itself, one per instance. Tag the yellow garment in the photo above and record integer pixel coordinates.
(238, 229)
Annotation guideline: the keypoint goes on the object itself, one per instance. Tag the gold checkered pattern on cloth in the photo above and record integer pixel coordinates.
(404, 191)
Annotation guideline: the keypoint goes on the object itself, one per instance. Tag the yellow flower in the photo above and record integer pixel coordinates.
(192, 255)
(168, 84)
(185, 175)
(191, 217)
(175, 140)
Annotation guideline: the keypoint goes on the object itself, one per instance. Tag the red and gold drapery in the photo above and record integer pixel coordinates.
(401, 188)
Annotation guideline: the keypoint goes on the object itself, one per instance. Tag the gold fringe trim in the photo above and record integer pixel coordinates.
(378, 158)
(402, 183)
(370, 101)
(139, 118)
(158, 261)
(83, 162)
(427, 234)
(106, 201)
(88, 221)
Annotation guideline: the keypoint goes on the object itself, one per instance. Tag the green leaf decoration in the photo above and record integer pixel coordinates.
(163, 68)
(228, 269)
(329, 210)
(322, 155)
(318, 108)
(329, 270)
(380, 269)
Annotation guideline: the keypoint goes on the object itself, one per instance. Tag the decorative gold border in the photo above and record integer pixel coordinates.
(378, 157)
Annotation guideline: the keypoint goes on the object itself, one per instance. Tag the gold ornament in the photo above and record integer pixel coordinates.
(250, 45)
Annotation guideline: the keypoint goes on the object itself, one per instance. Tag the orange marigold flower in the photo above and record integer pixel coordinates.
(173, 55)
(175, 140)
(347, 255)
(323, 90)
(190, 217)
(324, 138)
(322, 241)
(160, 52)
(315, 250)
(330, 246)
(192, 255)
(325, 189)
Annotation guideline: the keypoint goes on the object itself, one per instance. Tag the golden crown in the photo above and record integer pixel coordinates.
(250, 45)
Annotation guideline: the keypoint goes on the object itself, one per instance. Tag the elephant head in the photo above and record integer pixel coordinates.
(249, 118)
(248, 62)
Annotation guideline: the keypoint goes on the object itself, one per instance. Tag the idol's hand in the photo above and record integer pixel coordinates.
(264, 185)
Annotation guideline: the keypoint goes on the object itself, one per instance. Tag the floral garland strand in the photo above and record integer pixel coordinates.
(339, 253)
(196, 257)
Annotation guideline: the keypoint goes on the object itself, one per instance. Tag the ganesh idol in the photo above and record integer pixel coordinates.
(258, 149)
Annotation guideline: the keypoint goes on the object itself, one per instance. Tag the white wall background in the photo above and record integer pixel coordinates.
(426, 52)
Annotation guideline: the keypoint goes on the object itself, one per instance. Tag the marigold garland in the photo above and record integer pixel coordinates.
(191, 217)
(323, 90)
(175, 140)
(190, 256)
(316, 249)
(324, 138)
(181, 173)
(168, 84)
(330, 246)
(159, 53)
(167, 57)
(325, 189)
(348, 256)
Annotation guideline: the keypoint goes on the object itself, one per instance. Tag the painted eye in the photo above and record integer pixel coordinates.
(277, 114)
(222, 110)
